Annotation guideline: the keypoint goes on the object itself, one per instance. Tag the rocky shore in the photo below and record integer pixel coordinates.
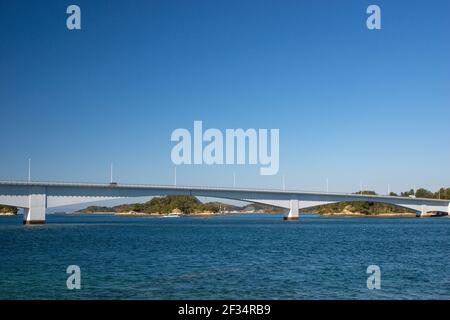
(7, 214)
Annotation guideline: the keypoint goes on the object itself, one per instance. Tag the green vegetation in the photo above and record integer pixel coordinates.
(366, 192)
(7, 209)
(442, 193)
(374, 208)
(366, 208)
(186, 204)
(162, 205)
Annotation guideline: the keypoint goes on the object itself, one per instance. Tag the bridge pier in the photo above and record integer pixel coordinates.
(37, 204)
(422, 211)
(293, 212)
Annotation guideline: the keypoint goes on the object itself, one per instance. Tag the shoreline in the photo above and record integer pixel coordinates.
(145, 214)
(210, 214)
(86, 213)
(7, 214)
(153, 214)
(362, 215)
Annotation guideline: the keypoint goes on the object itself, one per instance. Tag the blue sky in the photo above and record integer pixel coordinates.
(351, 104)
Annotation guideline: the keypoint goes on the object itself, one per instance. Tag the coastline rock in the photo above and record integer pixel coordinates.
(8, 214)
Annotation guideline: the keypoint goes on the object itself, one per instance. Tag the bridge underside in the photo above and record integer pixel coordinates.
(36, 199)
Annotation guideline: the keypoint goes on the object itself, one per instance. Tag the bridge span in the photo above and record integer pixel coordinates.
(36, 197)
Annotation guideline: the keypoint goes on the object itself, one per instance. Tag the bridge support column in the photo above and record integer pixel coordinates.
(293, 212)
(423, 210)
(37, 203)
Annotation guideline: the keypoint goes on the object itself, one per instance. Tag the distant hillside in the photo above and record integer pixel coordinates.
(94, 209)
(260, 208)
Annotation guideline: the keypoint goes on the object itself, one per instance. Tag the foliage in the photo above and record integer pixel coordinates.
(163, 205)
(363, 207)
(407, 193)
(366, 192)
(442, 193)
(186, 204)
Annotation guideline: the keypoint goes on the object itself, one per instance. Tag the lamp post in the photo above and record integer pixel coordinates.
(29, 170)
(175, 177)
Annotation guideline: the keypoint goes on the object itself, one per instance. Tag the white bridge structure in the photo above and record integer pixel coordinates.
(36, 197)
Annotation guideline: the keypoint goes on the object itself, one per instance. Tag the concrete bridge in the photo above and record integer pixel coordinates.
(36, 197)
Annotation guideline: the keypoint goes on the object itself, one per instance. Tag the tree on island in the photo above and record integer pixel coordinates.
(366, 192)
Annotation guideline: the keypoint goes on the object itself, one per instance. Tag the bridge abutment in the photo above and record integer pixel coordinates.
(293, 211)
(37, 204)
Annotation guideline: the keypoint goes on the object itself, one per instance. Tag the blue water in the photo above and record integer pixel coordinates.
(231, 257)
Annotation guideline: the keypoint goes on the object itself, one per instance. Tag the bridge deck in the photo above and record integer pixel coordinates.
(363, 197)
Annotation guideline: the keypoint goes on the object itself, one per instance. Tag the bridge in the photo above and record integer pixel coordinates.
(36, 197)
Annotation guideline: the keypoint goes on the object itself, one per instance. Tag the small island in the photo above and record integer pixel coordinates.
(179, 205)
(361, 209)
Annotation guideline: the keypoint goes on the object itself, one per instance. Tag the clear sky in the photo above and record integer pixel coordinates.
(351, 104)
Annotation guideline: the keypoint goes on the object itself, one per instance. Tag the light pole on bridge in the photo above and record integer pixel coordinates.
(29, 170)
(175, 177)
